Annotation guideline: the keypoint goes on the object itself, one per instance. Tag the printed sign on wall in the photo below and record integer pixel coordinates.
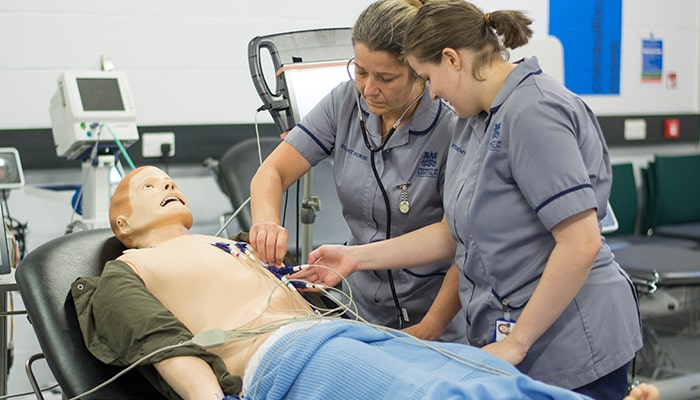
(652, 60)
(591, 34)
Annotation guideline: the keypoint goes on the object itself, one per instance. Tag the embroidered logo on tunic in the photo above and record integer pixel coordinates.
(428, 164)
(495, 143)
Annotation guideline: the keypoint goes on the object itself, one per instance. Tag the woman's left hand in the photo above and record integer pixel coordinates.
(424, 330)
(507, 349)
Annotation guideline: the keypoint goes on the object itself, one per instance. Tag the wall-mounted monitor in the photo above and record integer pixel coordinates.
(5, 245)
(91, 107)
(609, 223)
(11, 172)
(308, 83)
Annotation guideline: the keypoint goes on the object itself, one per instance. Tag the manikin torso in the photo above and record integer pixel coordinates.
(208, 288)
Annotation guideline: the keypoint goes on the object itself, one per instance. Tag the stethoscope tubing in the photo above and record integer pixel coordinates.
(385, 196)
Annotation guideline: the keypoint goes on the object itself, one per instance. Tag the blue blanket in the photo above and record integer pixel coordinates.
(347, 360)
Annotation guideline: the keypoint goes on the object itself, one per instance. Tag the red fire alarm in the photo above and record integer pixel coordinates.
(672, 128)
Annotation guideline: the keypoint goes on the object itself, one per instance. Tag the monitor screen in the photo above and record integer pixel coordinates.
(609, 223)
(86, 101)
(308, 83)
(100, 94)
(5, 264)
(11, 173)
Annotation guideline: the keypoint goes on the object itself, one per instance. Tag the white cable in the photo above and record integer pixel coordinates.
(235, 213)
(406, 338)
(257, 137)
(399, 335)
(130, 367)
(350, 307)
(260, 159)
(218, 337)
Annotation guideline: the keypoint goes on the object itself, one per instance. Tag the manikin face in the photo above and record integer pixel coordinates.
(155, 203)
(387, 84)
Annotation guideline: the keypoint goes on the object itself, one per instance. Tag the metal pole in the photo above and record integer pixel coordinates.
(3, 345)
(307, 218)
(310, 205)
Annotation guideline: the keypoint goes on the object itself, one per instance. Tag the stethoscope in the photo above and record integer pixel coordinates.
(363, 125)
(373, 150)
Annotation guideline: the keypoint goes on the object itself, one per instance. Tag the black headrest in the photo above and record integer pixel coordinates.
(44, 277)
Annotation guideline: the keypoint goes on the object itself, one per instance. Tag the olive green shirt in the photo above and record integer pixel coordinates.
(122, 321)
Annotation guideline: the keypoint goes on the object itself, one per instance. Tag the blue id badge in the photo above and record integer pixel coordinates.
(503, 328)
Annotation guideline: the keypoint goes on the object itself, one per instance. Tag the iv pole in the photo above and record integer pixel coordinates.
(96, 190)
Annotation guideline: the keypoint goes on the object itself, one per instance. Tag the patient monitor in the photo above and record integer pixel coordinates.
(11, 177)
(93, 115)
(5, 246)
(84, 104)
(11, 172)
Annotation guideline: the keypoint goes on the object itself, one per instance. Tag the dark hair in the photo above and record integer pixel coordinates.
(457, 24)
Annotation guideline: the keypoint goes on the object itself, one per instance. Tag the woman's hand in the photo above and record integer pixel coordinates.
(269, 240)
(328, 265)
(284, 166)
(508, 349)
(444, 308)
(424, 330)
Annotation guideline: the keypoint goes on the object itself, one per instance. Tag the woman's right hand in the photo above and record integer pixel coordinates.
(284, 166)
(269, 239)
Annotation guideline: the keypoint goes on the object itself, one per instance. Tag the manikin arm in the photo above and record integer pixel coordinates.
(191, 377)
(121, 333)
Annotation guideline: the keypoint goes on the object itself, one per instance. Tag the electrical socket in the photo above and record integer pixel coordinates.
(151, 142)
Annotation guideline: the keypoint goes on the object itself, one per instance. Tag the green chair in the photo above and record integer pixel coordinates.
(652, 261)
(673, 196)
(624, 200)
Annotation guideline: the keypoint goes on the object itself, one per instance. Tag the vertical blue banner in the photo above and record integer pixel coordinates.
(652, 60)
(591, 33)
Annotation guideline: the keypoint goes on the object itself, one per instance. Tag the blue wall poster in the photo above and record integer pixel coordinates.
(652, 60)
(591, 33)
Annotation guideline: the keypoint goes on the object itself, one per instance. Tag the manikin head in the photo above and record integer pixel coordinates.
(147, 208)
